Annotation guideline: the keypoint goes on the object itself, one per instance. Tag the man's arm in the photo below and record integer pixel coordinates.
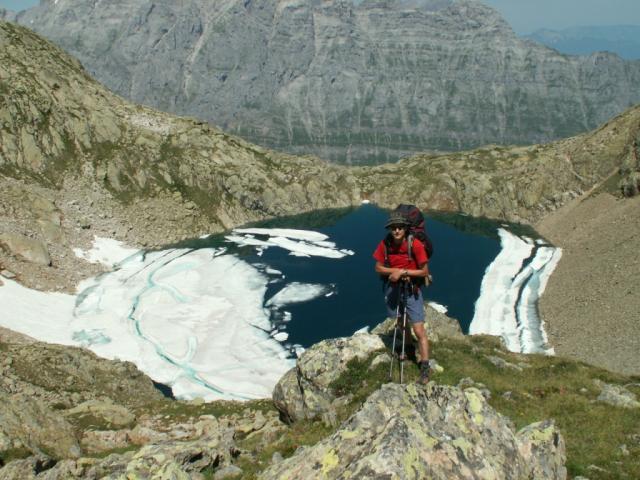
(396, 274)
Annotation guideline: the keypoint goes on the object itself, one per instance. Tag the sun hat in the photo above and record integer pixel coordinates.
(396, 218)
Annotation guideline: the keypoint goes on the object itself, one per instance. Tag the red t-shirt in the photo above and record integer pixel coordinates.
(399, 258)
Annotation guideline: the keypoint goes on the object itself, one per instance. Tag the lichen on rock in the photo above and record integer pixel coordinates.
(413, 432)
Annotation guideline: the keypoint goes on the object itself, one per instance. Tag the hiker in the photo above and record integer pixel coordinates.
(398, 267)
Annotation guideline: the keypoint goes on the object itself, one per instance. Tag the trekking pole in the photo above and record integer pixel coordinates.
(404, 327)
(393, 347)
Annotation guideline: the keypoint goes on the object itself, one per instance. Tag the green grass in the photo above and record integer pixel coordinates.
(303, 433)
(177, 411)
(13, 454)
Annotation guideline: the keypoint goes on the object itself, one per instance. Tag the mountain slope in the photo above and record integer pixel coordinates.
(76, 160)
(359, 83)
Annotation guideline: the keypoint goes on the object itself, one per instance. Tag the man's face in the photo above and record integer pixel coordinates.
(397, 232)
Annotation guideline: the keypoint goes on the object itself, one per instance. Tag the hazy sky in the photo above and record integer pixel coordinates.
(525, 16)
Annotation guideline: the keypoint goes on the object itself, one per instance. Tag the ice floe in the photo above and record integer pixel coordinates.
(195, 320)
(511, 287)
(296, 292)
(300, 243)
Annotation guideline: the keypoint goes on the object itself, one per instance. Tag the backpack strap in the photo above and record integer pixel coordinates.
(385, 244)
(410, 246)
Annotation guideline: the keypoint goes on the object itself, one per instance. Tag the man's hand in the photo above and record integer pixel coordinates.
(398, 274)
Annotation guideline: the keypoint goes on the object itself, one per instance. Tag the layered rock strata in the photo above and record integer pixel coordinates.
(355, 82)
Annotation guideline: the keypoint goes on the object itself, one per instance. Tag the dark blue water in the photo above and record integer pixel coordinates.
(458, 265)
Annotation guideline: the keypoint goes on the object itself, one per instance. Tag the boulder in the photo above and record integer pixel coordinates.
(180, 458)
(26, 469)
(115, 415)
(28, 249)
(433, 431)
(305, 391)
(616, 395)
(543, 449)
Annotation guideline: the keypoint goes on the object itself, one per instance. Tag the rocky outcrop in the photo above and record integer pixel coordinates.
(72, 415)
(305, 391)
(429, 432)
(616, 395)
(28, 423)
(359, 82)
(29, 249)
(67, 377)
(630, 170)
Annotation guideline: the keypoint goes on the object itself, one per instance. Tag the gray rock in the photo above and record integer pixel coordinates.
(115, 415)
(305, 392)
(502, 363)
(26, 248)
(318, 77)
(616, 395)
(8, 274)
(180, 458)
(543, 450)
(409, 431)
(230, 471)
(26, 469)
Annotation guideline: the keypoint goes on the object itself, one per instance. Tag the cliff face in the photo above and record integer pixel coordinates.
(359, 83)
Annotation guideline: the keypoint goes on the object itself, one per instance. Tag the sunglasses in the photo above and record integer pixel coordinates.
(396, 227)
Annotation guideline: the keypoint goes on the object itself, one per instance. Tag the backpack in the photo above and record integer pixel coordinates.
(416, 230)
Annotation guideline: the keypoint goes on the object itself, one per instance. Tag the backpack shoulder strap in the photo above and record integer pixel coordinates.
(410, 246)
(385, 246)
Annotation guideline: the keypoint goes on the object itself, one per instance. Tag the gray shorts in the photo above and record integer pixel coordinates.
(415, 303)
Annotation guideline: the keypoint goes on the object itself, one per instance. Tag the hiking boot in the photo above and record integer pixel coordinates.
(424, 373)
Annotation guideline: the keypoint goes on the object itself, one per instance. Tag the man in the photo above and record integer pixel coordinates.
(399, 267)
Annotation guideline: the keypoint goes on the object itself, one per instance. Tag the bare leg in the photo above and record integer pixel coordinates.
(423, 340)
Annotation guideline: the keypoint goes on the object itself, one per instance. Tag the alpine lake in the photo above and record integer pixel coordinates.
(463, 249)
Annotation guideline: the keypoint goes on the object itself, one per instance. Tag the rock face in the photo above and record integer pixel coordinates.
(354, 82)
(441, 432)
(305, 392)
(28, 249)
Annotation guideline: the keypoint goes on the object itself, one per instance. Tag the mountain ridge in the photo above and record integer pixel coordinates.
(585, 40)
(351, 83)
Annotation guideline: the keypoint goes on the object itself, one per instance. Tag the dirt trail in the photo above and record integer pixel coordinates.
(591, 306)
